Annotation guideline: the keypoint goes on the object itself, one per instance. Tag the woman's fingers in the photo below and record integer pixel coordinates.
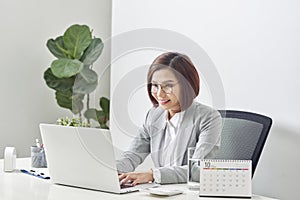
(136, 177)
(121, 176)
(125, 178)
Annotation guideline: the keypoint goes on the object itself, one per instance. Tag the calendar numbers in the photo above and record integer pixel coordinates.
(225, 178)
(207, 164)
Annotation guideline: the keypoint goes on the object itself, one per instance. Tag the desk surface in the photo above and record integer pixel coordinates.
(16, 185)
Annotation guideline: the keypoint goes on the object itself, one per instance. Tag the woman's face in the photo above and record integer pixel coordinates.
(165, 89)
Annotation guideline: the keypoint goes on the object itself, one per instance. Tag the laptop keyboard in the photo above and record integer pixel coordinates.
(127, 185)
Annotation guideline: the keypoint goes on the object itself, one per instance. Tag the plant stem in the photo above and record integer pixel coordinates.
(88, 104)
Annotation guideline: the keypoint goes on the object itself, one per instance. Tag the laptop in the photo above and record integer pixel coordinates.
(83, 157)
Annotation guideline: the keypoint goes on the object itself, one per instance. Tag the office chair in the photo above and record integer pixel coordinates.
(243, 136)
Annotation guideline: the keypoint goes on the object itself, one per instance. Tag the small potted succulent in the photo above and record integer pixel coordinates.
(72, 77)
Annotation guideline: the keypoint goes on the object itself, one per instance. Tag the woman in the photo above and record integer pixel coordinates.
(174, 123)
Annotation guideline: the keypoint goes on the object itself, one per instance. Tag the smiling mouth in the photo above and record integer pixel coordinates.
(163, 102)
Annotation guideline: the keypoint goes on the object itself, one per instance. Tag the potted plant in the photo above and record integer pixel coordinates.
(71, 74)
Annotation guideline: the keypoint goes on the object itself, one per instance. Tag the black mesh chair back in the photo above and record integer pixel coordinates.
(243, 136)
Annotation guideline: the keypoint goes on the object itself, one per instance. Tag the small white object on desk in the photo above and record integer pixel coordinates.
(9, 159)
(163, 191)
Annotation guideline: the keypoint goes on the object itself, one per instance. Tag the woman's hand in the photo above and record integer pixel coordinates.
(136, 177)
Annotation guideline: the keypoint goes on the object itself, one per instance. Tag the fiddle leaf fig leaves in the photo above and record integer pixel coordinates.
(71, 74)
(56, 47)
(76, 39)
(92, 113)
(97, 115)
(89, 75)
(92, 53)
(59, 84)
(66, 99)
(104, 104)
(101, 116)
(65, 68)
(86, 81)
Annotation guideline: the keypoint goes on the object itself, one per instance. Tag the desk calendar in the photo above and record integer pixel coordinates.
(225, 178)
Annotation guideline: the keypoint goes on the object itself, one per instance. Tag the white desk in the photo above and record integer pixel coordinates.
(19, 186)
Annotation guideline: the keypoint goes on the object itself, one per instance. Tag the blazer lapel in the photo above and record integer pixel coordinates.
(157, 138)
(185, 134)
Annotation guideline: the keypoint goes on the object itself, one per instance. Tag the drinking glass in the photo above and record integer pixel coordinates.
(193, 174)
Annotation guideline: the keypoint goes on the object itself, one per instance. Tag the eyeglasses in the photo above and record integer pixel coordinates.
(168, 88)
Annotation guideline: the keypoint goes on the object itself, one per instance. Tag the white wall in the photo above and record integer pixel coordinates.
(255, 47)
(25, 28)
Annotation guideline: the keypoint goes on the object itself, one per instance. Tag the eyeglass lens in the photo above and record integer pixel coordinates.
(166, 88)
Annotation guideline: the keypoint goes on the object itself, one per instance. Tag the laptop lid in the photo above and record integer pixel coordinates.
(80, 157)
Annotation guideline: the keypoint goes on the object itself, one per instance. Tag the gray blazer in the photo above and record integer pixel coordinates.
(200, 128)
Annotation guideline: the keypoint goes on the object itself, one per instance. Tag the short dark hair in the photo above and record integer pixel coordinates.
(184, 70)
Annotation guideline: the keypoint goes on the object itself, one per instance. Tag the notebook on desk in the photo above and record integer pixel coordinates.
(82, 157)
